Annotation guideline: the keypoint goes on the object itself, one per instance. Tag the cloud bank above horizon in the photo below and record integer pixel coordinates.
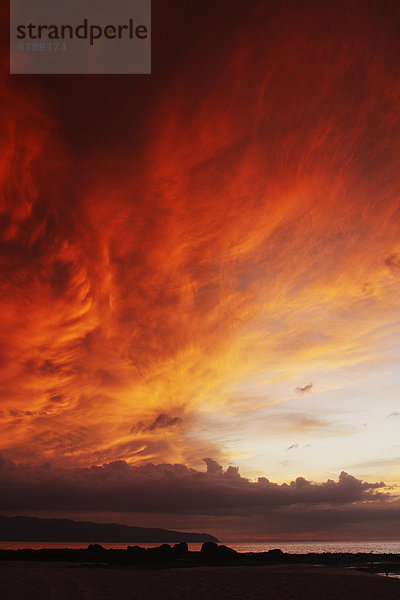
(166, 493)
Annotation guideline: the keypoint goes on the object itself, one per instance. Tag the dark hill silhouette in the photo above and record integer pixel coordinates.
(32, 529)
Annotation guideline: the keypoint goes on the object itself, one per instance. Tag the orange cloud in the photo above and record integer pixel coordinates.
(255, 235)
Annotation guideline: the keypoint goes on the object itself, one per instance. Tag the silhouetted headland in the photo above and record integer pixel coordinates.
(32, 529)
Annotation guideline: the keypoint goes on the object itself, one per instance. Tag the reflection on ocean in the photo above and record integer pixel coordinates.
(376, 547)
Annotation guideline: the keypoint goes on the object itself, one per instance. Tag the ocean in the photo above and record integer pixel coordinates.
(376, 547)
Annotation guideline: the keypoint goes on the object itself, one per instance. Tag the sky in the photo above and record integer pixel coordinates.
(200, 277)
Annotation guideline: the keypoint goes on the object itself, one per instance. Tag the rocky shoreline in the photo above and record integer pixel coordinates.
(211, 554)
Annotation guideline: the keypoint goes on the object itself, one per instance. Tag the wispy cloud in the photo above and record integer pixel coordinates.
(306, 389)
(292, 447)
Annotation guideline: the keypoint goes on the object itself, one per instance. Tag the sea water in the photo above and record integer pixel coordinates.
(376, 547)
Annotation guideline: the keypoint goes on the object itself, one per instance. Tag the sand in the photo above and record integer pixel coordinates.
(58, 581)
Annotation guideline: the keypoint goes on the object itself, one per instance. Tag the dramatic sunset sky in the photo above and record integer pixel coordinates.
(200, 277)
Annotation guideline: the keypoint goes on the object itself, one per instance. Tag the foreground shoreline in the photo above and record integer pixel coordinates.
(65, 581)
(166, 556)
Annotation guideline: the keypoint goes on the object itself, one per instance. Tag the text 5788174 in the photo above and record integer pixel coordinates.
(42, 47)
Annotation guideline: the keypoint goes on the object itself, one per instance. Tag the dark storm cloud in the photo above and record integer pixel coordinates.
(213, 466)
(177, 489)
(162, 421)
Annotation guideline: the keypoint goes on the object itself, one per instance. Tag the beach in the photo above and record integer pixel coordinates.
(62, 581)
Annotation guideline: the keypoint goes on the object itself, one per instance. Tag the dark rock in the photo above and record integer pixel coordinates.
(226, 552)
(209, 549)
(136, 550)
(164, 547)
(95, 548)
(163, 551)
(181, 548)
